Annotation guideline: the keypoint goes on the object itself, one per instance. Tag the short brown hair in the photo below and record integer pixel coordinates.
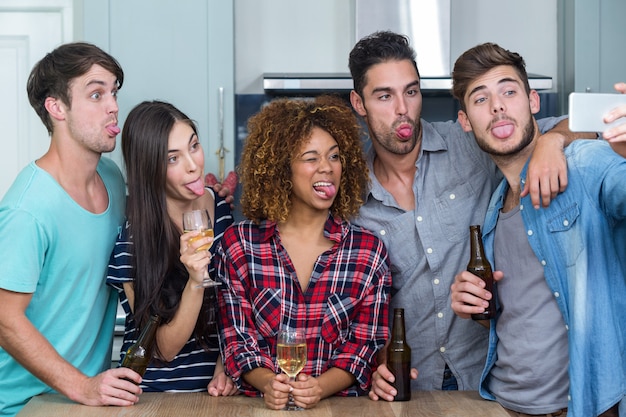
(480, 59)
(53, 74)
(276, 134)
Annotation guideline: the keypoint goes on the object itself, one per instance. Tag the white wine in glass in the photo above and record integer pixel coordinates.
(291, 357)
(201, 221)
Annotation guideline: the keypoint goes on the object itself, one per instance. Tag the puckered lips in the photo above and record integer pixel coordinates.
(325, 189)
(196, 187)
(404, 131)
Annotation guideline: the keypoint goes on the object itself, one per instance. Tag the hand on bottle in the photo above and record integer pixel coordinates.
(111, 387)
(381, 384)
(468, 295)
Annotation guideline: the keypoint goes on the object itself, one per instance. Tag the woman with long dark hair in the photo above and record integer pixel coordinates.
(154, 265)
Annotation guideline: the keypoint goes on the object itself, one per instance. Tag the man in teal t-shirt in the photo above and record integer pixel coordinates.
(58, 224)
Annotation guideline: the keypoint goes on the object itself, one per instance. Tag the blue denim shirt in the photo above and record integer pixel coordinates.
(580, 240)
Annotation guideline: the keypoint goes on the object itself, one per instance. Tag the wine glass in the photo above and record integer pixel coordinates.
(291, 356)
(200, 220)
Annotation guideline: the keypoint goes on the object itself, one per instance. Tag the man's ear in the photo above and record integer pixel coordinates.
(464, 121)
(535, 102)
(55, 108)
(357, 103)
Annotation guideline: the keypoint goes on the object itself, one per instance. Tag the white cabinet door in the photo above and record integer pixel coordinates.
(28, 30)
(181, 52)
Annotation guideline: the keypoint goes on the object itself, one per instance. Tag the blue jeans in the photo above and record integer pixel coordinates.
(449, 380)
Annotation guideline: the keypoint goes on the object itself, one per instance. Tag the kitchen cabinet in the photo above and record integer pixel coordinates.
(177, 51)
(591, 39)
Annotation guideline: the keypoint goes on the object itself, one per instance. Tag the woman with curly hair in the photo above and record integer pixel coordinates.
(298, 263)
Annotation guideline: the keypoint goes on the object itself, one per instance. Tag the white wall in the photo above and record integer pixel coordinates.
(290, 36)
(317, 35)
(528, 27)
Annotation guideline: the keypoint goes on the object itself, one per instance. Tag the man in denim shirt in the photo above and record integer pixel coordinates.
(567, 258)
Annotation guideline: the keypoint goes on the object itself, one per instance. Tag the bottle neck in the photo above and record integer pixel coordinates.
(476, 244)
(148, 333)
(397, 330)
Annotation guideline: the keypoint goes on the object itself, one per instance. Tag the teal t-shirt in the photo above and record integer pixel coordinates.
(53, 248)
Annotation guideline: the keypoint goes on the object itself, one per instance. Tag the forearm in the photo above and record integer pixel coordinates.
(561, 132)
(172, 336)
(259, 378)
(334, 380)
(32, 350)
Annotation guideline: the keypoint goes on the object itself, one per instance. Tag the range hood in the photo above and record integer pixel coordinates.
(317, 83)
(425, 22)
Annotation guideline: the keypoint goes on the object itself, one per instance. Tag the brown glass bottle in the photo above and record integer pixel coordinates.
(399, 357)
(479, 266)
(139, 354)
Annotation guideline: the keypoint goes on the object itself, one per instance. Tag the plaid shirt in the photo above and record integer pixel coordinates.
(343, 311)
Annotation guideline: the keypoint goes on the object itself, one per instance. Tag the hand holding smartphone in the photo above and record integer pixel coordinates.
(587, 111)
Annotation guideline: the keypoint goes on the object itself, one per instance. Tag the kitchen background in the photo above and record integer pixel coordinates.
(186, 51)
(213, 58)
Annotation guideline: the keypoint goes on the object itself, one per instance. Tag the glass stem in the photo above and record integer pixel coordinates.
(292, 403)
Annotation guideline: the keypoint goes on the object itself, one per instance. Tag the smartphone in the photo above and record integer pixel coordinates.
(587, 110)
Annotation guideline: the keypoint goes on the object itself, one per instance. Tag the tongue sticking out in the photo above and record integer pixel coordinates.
(196, 187)
(327, 189)
(404, 132)
(113, 130)
(502, 132)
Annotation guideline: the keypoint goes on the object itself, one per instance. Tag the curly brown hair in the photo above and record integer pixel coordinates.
(276, 135)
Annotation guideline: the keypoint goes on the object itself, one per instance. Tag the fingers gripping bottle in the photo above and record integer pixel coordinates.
(479, 266)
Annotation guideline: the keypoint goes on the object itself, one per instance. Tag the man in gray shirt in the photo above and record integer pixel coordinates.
(430, 181)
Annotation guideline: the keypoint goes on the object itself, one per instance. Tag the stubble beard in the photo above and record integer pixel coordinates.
(527, 138)
(386, 138)
(92, 139)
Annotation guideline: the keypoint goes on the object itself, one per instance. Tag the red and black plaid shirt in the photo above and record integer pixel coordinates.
(343, 310)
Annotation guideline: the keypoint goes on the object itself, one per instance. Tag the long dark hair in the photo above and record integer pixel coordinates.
(160, 276)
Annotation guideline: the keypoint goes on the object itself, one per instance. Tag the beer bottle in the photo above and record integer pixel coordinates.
(139, 354)
(399, 357)
(479, 266)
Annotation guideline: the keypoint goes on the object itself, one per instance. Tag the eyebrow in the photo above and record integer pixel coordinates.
(99, 82)
(501, 81)
(387, 89)
(102, 83)
(317, 153)
(190, 140)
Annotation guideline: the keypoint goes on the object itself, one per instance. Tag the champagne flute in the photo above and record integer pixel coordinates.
(291, 356)
(200, 220)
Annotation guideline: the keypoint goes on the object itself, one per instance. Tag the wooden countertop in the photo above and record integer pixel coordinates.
(423, 403)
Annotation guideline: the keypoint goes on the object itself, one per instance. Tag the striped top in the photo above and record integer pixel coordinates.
(192, 368)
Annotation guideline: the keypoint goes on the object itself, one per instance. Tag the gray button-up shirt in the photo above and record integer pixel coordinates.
(430, 245)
